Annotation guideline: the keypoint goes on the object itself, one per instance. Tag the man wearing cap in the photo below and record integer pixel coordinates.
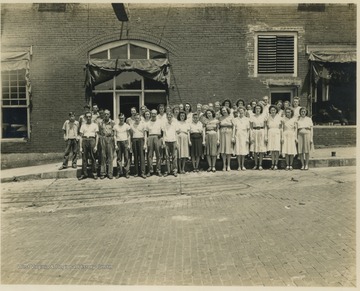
(88, 145)
(122, 146)
(154, 143)
(106, 137)
(71, 137)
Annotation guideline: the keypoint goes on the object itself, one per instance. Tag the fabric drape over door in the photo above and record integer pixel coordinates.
(98, 71)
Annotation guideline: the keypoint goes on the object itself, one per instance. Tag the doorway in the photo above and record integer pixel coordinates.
(126, 102)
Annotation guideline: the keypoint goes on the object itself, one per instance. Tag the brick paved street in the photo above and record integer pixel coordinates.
(253, 228)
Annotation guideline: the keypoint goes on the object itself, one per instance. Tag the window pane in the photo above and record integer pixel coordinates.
(128, 80)
(153, 85)
(100, 55)
(22, 92)
(5, 92)
(152, 100)
(137, 52)
(6, 102)
(108, 85)
(22, 102)
(157, 55)
(105, 101)
(119, 52)
(14, 122)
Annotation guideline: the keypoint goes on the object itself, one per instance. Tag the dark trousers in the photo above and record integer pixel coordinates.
(171, 151)
(123, 151)
(138, 152)
(154, 145)
(71, 147)
(88, 145)
(107, 155)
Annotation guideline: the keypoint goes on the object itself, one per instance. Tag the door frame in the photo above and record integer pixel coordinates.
(292, 90)
(117, 100)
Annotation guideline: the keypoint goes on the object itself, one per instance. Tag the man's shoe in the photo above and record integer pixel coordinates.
(95, 177)
(159, 174)
(62, 167)
(102, 177)
(148, 175)
(127, 176)
(110, 177)
(143, 176)
(175, 174)
(117, 176)
(82, 177)
(165, 174)
(74, 166)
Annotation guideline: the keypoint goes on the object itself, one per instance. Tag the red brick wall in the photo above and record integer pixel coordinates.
(210, 49)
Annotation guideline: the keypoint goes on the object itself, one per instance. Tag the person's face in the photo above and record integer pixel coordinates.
(258, 110)
(236, 114)
(241, 103)
(169, 117)
(253, 104)
(241, 112)
(266, 100)
(88, 118)
(234, 107)
(122, 120)
(224, 112)
(153, 116)
(303, 112)
(198, 107)
(181, 106)
(133, 111)
(279, 105)
(187, 107)
(209, 115)
(182, 116)
(106, 116)
(195, 118)
(168, 109)
(147, 115)
(143, 109)
(288, 113)
(161, 109)
(211, 106)
(296, 102)
(176, 111)
(227, 104)
(137, 119)
(72, 118)
(273, 111)
(95, 108)
(286, 104)
(248, 107)
(217, 106)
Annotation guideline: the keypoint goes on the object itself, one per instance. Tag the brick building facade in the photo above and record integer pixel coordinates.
(214, 53)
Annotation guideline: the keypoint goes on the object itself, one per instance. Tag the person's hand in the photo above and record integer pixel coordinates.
(95, 149)
(266, 140)
(65, 139)
(218, 142)
(233, 140)
(81, 150)
(311, 142)
(145, 147)
(204, 143)
(163, 145)
(190, 143)
(282, 140)
(296, 140)
(116, 147)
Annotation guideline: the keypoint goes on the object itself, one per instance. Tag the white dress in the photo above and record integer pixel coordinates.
(241, 127)
(258, 133)
(289, 145)
(274, 125)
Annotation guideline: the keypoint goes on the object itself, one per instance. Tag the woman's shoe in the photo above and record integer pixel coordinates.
(275, 167)
(306, 167)
(209, 169)
(290, 168)
(303, 168)
(260, 168)
(213, 169)
(254, 168)
(243, 168)
(287, 168)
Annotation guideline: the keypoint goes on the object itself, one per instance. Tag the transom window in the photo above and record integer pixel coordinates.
(276, 53)
(127, 50)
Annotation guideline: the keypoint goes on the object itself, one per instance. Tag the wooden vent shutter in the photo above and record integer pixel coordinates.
(275, 54)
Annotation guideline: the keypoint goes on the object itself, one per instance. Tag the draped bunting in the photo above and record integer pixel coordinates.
(98, 71)
(12, 61)
(333, 56)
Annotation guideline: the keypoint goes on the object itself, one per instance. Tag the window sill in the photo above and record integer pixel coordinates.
(15, 140)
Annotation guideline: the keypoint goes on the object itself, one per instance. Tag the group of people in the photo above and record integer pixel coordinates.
(176, 133)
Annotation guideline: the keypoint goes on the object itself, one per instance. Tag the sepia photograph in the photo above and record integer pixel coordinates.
(185, 145)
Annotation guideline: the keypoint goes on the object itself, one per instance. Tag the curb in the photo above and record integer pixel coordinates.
(74, 173)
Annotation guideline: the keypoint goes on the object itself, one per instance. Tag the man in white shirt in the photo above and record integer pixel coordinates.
(88, 145)
(71, 137)
(138, 144)
(266, 106)
(122, 146)
(154, 143)
(106, 138)
(170, 144)
(296, 107)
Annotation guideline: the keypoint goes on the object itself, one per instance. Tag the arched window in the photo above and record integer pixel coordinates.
(129, 88)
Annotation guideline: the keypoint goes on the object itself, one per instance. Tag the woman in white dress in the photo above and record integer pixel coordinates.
(305, 137)
(241, 137)
(289, 139)
(257, 132)
(183, 140)
(274, 135)
(226, 129)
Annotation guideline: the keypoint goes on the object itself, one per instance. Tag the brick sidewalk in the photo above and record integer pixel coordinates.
(248, 229)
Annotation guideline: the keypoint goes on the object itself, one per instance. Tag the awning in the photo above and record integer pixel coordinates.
(17, 60)
(102, 70)
(333, 56)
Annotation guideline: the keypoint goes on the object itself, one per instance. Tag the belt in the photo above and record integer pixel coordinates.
(225, 126)
(258, 127)
(155, 135)
(88, 136)
(107, 135)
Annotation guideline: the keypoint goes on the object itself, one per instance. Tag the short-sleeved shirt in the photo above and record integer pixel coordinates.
(170, 131)
(296, 112)
(258, 120)
(138, 130)
(183, 127)
(305, 122)
(196, 127)
(121, 131)
(71, 129)
(154, 127)
(89, 130)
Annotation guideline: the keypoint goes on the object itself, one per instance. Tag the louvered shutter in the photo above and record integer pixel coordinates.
(275, 54)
